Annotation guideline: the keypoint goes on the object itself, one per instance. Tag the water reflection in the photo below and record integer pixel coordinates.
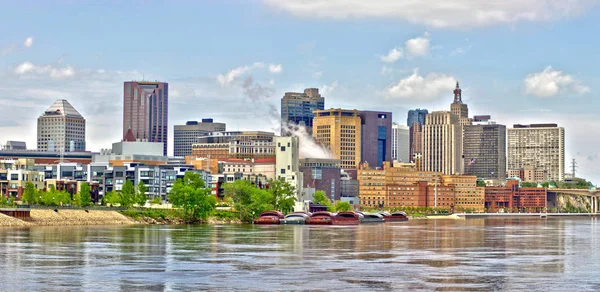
(441, 255)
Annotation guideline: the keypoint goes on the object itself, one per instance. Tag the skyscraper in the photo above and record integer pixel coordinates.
(415, 122)
(442, 143)
(376, 137)
(415, 140)
(340, 131)
(484, 149)
(538, 146)
(61, 128)
(416, 115)
(458, 108)
(298, 108)
(186, 135)
(146, 111)
(400, 143)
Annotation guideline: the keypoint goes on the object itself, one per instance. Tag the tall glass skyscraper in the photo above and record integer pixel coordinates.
(376, 139)
(146, 111)
(416, 115)
(297, 109)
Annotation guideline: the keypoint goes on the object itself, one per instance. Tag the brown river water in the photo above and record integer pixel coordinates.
(507, 254)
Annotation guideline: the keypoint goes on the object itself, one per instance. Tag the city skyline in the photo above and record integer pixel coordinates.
(408, 64)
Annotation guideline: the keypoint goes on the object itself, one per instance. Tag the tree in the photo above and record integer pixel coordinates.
(77, 199)
(481, 183)
(156, 201)
(61, 198)
(319, 197)
(284, 195)
(342, 207)
(141, 197)
(127, 194)
(191, 194)
(85, 196)
(30, 193)
(250, 200)
(112, 198)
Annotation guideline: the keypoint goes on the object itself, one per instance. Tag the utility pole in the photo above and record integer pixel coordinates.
(573, 167)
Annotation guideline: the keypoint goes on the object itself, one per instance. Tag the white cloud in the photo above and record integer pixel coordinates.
(317, 74)
(393, 55)
(551, 82)
(275, 68)
(231, 75)
(460, 51)
(327, 89)
(419, 46)
(442, 14)
(418, 87)
(416, 47)
(28, 42)
(28, 69)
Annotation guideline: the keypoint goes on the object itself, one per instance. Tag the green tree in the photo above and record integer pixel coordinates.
(319, 197)
(156, 201)
(250, 200)
(141, 197)
(60, 198)
(481, 183)
(30, 193)
(191, 194)
(113, 198)
(284, 195)
(340, 206)
(127, 194)
(85, 196)
(77, 199)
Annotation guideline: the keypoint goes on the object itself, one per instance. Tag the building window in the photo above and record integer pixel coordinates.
(282, 148)
(282, 171)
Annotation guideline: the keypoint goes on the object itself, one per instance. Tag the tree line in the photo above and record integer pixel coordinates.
(53, 197)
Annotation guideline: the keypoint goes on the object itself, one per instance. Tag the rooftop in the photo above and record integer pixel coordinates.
(64, 108)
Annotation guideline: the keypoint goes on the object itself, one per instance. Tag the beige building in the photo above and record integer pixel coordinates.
(467, 196)
(529, 174)
(61, 128)
(442, 144)
(460, 109)
(248, 167)
(340, 131)
(537, 146)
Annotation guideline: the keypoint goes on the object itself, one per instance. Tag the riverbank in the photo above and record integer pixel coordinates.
(65, 217)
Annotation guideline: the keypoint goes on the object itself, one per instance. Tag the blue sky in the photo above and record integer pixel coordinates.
(520, 61)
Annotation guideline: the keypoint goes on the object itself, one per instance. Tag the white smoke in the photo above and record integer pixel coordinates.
(309, 148)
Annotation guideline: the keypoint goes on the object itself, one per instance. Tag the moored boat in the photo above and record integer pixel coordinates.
(320, 218)
(295, 218)
(269, 217)
(397, 217)
(346, 218)
(372, 218)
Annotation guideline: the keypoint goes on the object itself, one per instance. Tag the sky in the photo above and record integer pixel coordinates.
(532, 61)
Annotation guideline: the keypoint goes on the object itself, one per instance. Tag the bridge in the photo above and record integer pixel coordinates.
(592, 194)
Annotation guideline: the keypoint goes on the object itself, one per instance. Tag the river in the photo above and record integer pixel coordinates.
(420, 255)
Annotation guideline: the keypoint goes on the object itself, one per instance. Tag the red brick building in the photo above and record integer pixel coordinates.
(513, 198)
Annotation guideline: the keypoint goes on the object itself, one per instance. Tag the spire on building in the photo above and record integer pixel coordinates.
(457, 94)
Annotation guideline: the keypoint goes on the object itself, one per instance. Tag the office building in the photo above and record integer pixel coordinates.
(416, 116)
(376, 137)
(513, 198)
(442, 144)
(400, 143)
(15, 145)
(146, 111)
(484, 149)
(398, 185)
(415, 140)
(415, 122)
(298, 109)
(539, 146)
(321, 175)
(458, 108)
(186, 135)
(287, 166)
(61, 128)
(340, 131)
